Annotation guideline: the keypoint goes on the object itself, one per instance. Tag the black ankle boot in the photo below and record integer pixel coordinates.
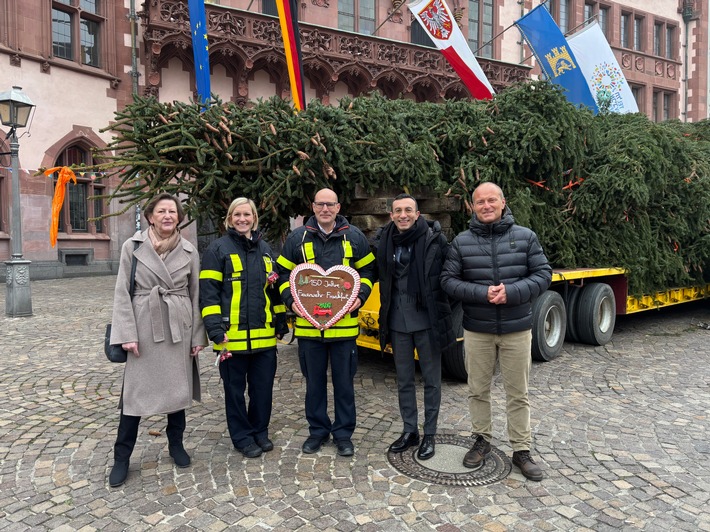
(175, 430)
(179, 455)
(119, 473)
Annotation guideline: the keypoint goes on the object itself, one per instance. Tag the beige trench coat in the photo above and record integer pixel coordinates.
(164, 318)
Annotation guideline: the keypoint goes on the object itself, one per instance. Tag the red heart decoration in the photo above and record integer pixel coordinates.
(323, 297)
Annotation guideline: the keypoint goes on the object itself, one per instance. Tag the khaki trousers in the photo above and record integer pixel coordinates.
(513, 353)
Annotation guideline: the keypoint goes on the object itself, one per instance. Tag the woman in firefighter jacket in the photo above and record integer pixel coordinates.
(243, 316)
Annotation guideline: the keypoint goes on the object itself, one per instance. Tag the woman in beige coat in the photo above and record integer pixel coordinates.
(161, 328)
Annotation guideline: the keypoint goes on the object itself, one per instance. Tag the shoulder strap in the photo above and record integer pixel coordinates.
(133, 269)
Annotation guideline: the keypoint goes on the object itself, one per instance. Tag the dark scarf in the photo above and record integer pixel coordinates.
(416, 237)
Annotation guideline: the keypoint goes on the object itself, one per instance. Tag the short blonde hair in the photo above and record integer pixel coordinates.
(236, 203)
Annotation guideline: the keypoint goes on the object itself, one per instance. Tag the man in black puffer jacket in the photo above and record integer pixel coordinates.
(496, 269)
(414, 313)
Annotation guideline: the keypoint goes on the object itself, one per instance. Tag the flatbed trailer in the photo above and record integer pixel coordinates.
(581, 305)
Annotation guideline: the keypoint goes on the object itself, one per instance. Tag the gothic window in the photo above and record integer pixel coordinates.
(78, 208)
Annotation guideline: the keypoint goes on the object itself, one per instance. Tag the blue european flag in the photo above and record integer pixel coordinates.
(555, 56)
(200, 49)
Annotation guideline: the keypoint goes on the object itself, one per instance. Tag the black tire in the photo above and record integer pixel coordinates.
(596, 314)
(453, 361)
(549, 325)
(571, 305)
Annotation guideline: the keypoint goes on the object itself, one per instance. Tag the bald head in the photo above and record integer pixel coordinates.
(488, 203)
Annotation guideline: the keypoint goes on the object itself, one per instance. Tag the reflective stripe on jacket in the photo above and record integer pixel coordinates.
(345, 245)
(235, 295)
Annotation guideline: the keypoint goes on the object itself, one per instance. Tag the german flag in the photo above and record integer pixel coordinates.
(288, 16)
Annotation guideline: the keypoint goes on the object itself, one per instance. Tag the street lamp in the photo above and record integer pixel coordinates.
(15, 108)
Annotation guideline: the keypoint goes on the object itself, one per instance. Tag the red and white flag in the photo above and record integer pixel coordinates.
(438, 21)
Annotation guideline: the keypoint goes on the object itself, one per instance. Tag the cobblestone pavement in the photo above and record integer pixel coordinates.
(622, 432)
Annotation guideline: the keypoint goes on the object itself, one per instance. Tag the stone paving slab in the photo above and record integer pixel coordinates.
(621, 431)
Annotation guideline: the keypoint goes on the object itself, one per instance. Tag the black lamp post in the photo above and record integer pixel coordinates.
(15, 109)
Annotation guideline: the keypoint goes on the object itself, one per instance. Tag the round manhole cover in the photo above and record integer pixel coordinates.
(446, 467)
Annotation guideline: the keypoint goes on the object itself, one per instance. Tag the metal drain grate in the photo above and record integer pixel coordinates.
(446, 467)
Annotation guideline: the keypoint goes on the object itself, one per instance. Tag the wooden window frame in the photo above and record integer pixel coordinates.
(77, 15)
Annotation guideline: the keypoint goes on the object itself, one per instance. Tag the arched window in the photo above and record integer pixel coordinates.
(78, 208)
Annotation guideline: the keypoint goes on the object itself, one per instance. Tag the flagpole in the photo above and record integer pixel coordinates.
(394, 11)
(492, 39)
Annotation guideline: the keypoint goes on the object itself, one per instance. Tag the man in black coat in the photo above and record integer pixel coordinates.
(414, 313)
(496, 269)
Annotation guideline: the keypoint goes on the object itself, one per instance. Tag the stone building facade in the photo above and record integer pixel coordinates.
(80, 61)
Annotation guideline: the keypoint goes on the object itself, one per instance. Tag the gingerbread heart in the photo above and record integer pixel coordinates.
(323, 297)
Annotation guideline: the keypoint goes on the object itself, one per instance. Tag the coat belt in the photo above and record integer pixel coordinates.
(156, 316)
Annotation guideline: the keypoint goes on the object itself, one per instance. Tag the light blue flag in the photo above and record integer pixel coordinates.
(200, 49)
(555, 56)
(604, 76)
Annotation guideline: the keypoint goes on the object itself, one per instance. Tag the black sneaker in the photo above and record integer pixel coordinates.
(476, 456)
(250, 451)
(313, 445)
(527, 465)
(345, 447)
(266, 445)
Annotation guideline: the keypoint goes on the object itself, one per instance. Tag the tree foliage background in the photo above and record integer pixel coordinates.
(606, 190)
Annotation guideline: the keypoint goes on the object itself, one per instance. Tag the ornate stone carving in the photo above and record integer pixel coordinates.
(267, 31)
(226, 23)
(639, 63)
(45, 67)
(671, 71)
(15, 60)
(659, 68)
(330, 55)
(392, 53)
(426, 59)
(395, 12)
(316, 41)
(626, 61)
(356, 47)
(175, 12)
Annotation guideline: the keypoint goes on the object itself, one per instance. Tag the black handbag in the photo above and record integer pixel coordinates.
(114, 352)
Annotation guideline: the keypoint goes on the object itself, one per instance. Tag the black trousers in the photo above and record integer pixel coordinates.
(314, 356)
(128, 434)
(403, 345)
(254, 374)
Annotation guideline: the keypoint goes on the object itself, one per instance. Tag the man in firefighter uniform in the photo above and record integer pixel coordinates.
(327, 239)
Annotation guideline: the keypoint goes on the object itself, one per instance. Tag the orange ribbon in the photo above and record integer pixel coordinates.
(65, 174)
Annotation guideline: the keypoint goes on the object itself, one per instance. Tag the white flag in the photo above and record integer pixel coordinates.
(601, 70)
(438, 21)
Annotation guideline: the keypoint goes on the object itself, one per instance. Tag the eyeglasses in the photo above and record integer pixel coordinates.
(321, 204)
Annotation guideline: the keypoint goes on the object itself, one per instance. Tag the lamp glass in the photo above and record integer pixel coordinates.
(5, 112)
(22, 114)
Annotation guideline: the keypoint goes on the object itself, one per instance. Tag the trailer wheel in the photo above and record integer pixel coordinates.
(549, 325)
(571, 305)
(596, 314)
(454, 360)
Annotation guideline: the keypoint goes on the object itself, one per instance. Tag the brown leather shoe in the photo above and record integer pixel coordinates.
(527, 465)
(476, 456)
